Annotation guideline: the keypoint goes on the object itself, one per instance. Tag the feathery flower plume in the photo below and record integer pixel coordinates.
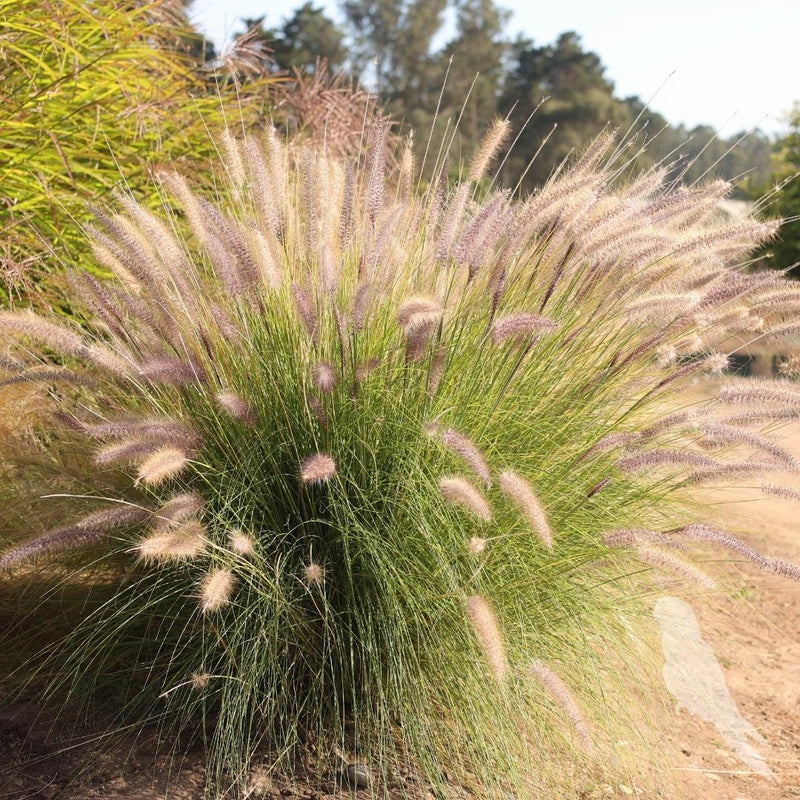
(180, 508)
(324, 376)
(199, 680)
(451, 221)
(360, 303)
(790, 367)
(477, 545)
(237, 407)
(314, 574)
(715, 364)
(780, 567)
(701, 532)
(640, 460)
(785, 492)
(240, 542)
(184, 542)
(346, 215)
(666, 355)
(225, 324)
(730, 469)
(763, 392)
(376, 182)
(562, 696)
(728, 434)
(315, 404)
(126, 450)
(632, 537)
(419, 314)
(47, 333)
(461, 492)
(61, 339)
(406, 177)
(488, 632)
(611, 442)
(519, 326)
(172, 371)
(49, 376)
(679, 419)
(436, 373)
(490, 146)
(670, 563)
(305, 310)
(520, 491)
(319, 468)
(142, 428)
(461, 446)
(216, 589)
(162, 465)
(91, 529)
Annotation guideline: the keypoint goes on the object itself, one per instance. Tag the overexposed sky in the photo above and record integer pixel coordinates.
(732, 64)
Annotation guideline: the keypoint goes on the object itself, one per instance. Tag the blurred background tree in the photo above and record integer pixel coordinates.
(397, 47)
(785, 250)
(305, 37)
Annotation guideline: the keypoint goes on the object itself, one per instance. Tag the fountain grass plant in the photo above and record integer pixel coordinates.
(393, 460)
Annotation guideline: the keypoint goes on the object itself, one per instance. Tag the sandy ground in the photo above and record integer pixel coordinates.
(753, 626)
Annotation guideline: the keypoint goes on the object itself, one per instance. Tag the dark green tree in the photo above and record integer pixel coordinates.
(581, 102)
(303, 38)
(477, 52)
(784, 252)
(392, 47)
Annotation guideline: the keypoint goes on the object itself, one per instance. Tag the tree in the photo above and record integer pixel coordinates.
(477, 51)
(581, 102)
(392, 39)
(785, 250)
(303, 38)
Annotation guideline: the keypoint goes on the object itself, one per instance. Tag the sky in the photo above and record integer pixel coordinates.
(731, 64)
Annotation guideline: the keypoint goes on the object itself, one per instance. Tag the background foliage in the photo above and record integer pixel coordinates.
(94, 94)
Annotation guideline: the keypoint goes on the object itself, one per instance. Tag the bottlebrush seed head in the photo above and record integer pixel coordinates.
(521, 492)
(562, 696)
(419, 314)
(216, 589)
(162, 465)
(314, 574)
(521, 326)
(461, 446)
(462, 493)
(487, 630)
(199, 680)
(324, 376)
(240, 542)
(319, 468)
(477, 545)
(237, 407)
(184, 542)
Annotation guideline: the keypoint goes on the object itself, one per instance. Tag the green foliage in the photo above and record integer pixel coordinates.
(94, 93)
(581, 103)
(286, 382)
(784, 252)
(307, 36)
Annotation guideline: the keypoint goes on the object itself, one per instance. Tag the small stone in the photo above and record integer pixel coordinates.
(625, 789)
(358, 775)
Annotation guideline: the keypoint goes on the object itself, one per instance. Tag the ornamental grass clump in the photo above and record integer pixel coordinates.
(396, 456)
